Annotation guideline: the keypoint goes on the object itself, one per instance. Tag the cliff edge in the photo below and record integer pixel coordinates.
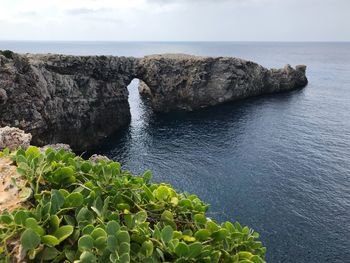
(80, 100)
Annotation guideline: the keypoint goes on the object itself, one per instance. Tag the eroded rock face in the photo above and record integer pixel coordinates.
(80, 100)
(76, 100)
(184, 82)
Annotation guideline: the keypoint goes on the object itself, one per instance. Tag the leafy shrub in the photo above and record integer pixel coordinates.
(103, 57)
(7, 53)
(80, 211)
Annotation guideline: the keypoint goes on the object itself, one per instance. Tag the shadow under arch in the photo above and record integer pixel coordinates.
(148, 127)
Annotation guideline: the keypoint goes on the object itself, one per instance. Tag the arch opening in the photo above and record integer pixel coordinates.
(140, 108)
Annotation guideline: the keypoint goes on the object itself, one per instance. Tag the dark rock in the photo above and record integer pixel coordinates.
(76, 100)
(184, 82)
(3, 96)
(80, 100)
(144, 90)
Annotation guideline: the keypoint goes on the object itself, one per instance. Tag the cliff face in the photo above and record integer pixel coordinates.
(78, 100)
(183, 82)
(81, 100)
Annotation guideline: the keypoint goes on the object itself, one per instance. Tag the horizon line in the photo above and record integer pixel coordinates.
(186, 41)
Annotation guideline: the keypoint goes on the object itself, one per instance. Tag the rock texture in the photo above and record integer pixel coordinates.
(77, 100)
(184, 82)
(56, 147)
(80, 100)
(13, 138)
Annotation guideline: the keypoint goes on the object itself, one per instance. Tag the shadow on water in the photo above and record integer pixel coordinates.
(222, 119)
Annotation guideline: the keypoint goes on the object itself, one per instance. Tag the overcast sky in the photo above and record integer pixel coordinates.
(175, 20)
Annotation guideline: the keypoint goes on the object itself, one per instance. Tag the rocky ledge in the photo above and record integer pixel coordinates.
(80, 100)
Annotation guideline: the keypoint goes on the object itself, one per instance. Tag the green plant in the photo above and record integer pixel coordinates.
(80, 211)
(103, 57)
(7, 53)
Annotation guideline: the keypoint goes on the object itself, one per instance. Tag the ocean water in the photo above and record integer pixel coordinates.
(278, 163)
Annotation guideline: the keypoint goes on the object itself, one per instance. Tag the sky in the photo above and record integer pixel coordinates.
(175, 20)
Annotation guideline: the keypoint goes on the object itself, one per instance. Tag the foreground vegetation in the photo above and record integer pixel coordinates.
(80, 211)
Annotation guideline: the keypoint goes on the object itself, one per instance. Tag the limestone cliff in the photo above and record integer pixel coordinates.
(184, 82)
(80, 100)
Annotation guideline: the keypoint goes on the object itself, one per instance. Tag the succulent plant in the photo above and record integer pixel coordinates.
(82, 211)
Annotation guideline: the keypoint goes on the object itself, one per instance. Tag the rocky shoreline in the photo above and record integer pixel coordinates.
(80, 100)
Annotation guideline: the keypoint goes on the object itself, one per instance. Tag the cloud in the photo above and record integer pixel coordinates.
(175, 20)
(84, 11)
(207, 2)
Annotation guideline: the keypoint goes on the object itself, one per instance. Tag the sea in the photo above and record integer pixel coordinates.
(278, 163)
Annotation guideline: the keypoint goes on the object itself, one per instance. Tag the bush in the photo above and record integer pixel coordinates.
(7, 53)
(80, 211)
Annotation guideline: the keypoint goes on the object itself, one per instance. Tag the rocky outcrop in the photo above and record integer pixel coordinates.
(13, 138)
(184, 82)
(80, 100)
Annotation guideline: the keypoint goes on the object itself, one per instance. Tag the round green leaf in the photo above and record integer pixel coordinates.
(124, 247)
(98, 232)
(86, 242)
(167, 216)
(86, 167)
(220, 234)
(112, 227)
(147, 248)
(181, 249)
(140, 217)
(32, 152)
(50, 240)
(87, 257)
(6, 219)
(20, 217)
(50, 253)
(63, 232)
(202, 234)
(167, 234)
(186, 203)
(85, 215)
(125, 258)
(195, 249)
(87, 230)
(123, 236)
(29, 239)
(112, 243)
(57, 200)
(74, 200)
(33, 224)
(100, 243)
(200, 218)
(162, 193)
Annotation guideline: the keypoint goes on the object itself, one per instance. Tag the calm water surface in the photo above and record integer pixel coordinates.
(279, 163)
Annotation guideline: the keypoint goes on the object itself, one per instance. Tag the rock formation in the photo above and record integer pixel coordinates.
(12, 138)
(77, 100)
(184, 82)
(80, 100)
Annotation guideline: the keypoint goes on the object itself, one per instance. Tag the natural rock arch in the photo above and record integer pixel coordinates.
(80, 100)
